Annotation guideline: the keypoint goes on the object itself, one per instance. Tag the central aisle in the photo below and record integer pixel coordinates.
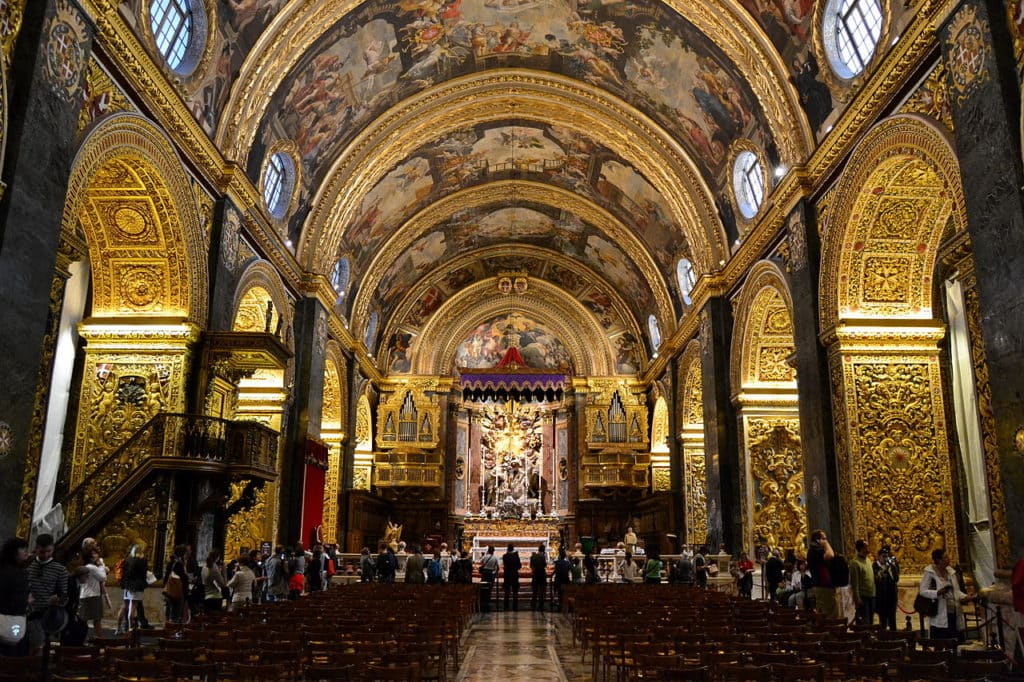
(516, 645)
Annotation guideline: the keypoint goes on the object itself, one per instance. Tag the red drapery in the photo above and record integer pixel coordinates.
(313, 489)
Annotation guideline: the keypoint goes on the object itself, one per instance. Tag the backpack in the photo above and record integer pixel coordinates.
(684, 570)
(434, 573)
(840, 571)
(119, 571)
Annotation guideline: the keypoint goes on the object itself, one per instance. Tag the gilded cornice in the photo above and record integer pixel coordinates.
(893, 336)
(524, 95)
(505, 192)
(414, 294)
(566, 317)
(366, 364)
(288, 38)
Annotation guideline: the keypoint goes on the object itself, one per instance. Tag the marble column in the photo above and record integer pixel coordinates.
(815, 405)
(721, 439)
(303, 421)
(977, 47)
(46, 92)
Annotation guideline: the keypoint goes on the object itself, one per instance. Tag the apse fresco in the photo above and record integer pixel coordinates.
(487, 343)
(385, 51)
(481, 227)
(239, 25)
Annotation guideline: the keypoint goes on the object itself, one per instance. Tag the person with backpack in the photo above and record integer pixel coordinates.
(435, 570)
(652, 570)
(840, 571)
(367, 566)
(562, 577)
(387, 564)
(700, 571)
(819, 558)
(511, 563)
(488, 573)
(684, 570)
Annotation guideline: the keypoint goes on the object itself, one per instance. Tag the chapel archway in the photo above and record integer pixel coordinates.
(900, 198)
(774, 512)
(332, 433)
(690, 417)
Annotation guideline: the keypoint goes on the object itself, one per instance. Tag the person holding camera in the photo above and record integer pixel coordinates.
(939, 582)
(887, 579)
(819, 557)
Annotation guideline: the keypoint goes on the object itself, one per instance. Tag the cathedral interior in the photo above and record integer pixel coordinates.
(722, 271)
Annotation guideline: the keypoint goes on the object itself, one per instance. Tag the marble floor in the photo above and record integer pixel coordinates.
(521, 645)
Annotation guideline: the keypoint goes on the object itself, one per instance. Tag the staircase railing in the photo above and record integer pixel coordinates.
(171, 441)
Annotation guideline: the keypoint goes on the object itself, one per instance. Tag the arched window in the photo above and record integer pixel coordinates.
(173, 30)
(851, 29)
(654, 331)
(278, 182)
(371, 331)
(748, 183)
(687, 278)
(339, 276)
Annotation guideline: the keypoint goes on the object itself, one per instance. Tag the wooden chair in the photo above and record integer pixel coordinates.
(921, 671)
(327, 673)
(259, 672)
(866, 672)
(383, 673)
(789, 672)
(199, 672)
(743, 673)
(692, 673)
(968, 669)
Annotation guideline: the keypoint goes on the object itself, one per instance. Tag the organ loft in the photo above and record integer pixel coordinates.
(721, 272)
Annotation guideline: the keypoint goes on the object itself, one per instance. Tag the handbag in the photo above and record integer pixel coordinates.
(12, 628)
(173, 587)
(925, 606)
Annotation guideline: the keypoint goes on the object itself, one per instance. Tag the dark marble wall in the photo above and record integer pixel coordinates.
(310, 326)
(45, 93)
(721, 437)
(816, 436)
(985, 98)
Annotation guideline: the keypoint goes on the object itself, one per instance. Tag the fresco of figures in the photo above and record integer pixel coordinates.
(559, 156)
(487, 343)
(481, 227)
(383, 52)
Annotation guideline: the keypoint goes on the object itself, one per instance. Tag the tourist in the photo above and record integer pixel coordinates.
(133, 582)
(213, 583)
(446, 561)
(562, 576)
(800, 583)
(14, 593)
(745, 576)
(510, 566)
(435, 570)
(464, 567)
(862, 584)
(91, 578)
(241, 584)
(700, 570)
(316, 570)
(684, 570)
(414, 566)
(488, 572)
(367, 568)
(939, 581)
(175, 581)
(774, 573)
(887, 579)
(387, 564)
(277, 575)
(577, 570)
(652, 570)
(819, 555)
(538, 577)
(402, 557)
(296, 584)
(627, 569)
(590, 576)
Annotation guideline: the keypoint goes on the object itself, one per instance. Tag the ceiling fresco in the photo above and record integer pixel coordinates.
(486, 345)
(548, 153)
(384, 52)
(488, 226)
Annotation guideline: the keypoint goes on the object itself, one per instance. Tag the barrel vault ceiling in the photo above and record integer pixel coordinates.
(587, 142)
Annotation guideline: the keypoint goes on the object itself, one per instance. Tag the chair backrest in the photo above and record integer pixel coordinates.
(743, 673)
(867, 672)
(200, 672)
(790, 672)
(260, 672)
(382, 673)
(921, 671)
(695, 673)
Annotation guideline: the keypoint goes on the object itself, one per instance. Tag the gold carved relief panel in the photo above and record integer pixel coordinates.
(695, 498)
(777, 516)
(895, 472)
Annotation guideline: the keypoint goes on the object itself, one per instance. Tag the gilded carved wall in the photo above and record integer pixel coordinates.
(690, 417)
(776, 470)
(332, 432)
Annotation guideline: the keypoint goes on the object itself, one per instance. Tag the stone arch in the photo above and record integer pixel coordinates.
(888, 217)
(660, 426)
(362, 465)
(131, 196)
(690, 417)
(765, 392)
(899, 199)
(573, 325)
(259, 284)
(762, 340)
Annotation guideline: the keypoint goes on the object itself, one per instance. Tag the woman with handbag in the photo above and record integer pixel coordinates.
(175, 582)
(14, 597)
(940, 598)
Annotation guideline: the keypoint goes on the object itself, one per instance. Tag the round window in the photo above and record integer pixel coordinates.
(851, 31)
(748, 183)
(178, 28)
(278, 181)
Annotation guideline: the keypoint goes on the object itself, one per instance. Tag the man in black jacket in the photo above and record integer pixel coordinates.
(539, 579)
(510, 564)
